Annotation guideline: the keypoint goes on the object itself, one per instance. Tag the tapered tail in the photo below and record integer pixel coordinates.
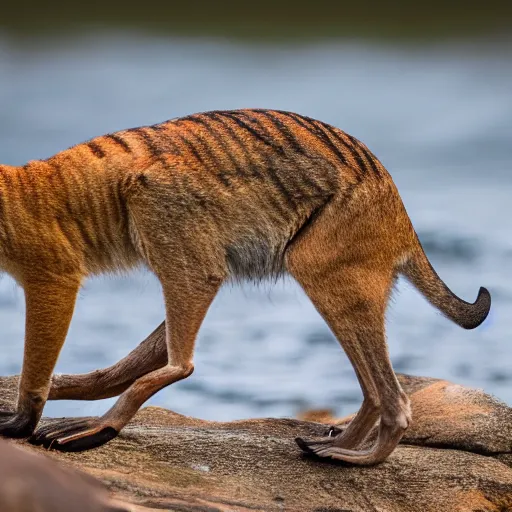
(418, 270)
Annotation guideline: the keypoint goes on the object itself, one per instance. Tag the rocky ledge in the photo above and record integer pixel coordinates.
(456, 457)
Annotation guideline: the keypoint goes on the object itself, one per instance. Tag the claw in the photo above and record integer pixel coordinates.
(334, 431)
(322, 448)
(303, 445)
(309, 446)
(74, 435)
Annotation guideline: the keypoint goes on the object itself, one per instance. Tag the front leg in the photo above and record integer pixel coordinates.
(187, 301)
(49, 307)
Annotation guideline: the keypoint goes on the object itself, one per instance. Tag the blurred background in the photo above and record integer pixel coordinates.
(427, 87)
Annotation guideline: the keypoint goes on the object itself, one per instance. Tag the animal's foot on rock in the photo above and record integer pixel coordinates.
(74, 435)
(15, 425)
(332, 447)
(326, 448)
(316, 447)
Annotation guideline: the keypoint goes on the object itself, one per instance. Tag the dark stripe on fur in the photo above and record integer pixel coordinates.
(119, 141)
(215, 118)
(191, 148)
(96, 149)
(265, 138)
(253, 169)
(284, 130)
(151, 146)
(368, 155)
(319, 132)
(212, 162)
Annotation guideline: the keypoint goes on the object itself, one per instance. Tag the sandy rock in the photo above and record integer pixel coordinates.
(456, 458)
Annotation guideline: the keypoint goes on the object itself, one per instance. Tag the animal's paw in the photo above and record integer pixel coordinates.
(74, 435)
(16, 425)
(316, 447)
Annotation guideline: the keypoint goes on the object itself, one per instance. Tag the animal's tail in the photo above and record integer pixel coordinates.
(418, 270)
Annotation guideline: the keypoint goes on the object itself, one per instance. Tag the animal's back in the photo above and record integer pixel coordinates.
(242, 182)
(245, 183)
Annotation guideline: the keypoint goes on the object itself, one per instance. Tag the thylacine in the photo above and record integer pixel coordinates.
(245, 194)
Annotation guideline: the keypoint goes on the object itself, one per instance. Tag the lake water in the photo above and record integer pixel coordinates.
(440, 119)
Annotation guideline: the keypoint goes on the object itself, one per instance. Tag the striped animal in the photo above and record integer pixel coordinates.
(200, 200)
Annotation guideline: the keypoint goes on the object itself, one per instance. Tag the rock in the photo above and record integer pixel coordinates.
(457, 456)
(31, 482)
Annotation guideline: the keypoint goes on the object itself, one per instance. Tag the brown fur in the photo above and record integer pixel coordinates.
(247, 194)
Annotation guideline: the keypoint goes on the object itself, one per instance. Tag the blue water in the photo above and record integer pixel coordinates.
(440, 119)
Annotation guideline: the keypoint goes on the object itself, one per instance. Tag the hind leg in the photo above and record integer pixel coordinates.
(357, 319)
(352, 298)
(361, 425)
(357, 430)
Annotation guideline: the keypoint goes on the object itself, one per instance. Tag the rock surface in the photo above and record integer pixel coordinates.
(456, 457)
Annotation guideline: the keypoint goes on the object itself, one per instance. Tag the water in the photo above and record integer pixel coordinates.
(440, 119)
